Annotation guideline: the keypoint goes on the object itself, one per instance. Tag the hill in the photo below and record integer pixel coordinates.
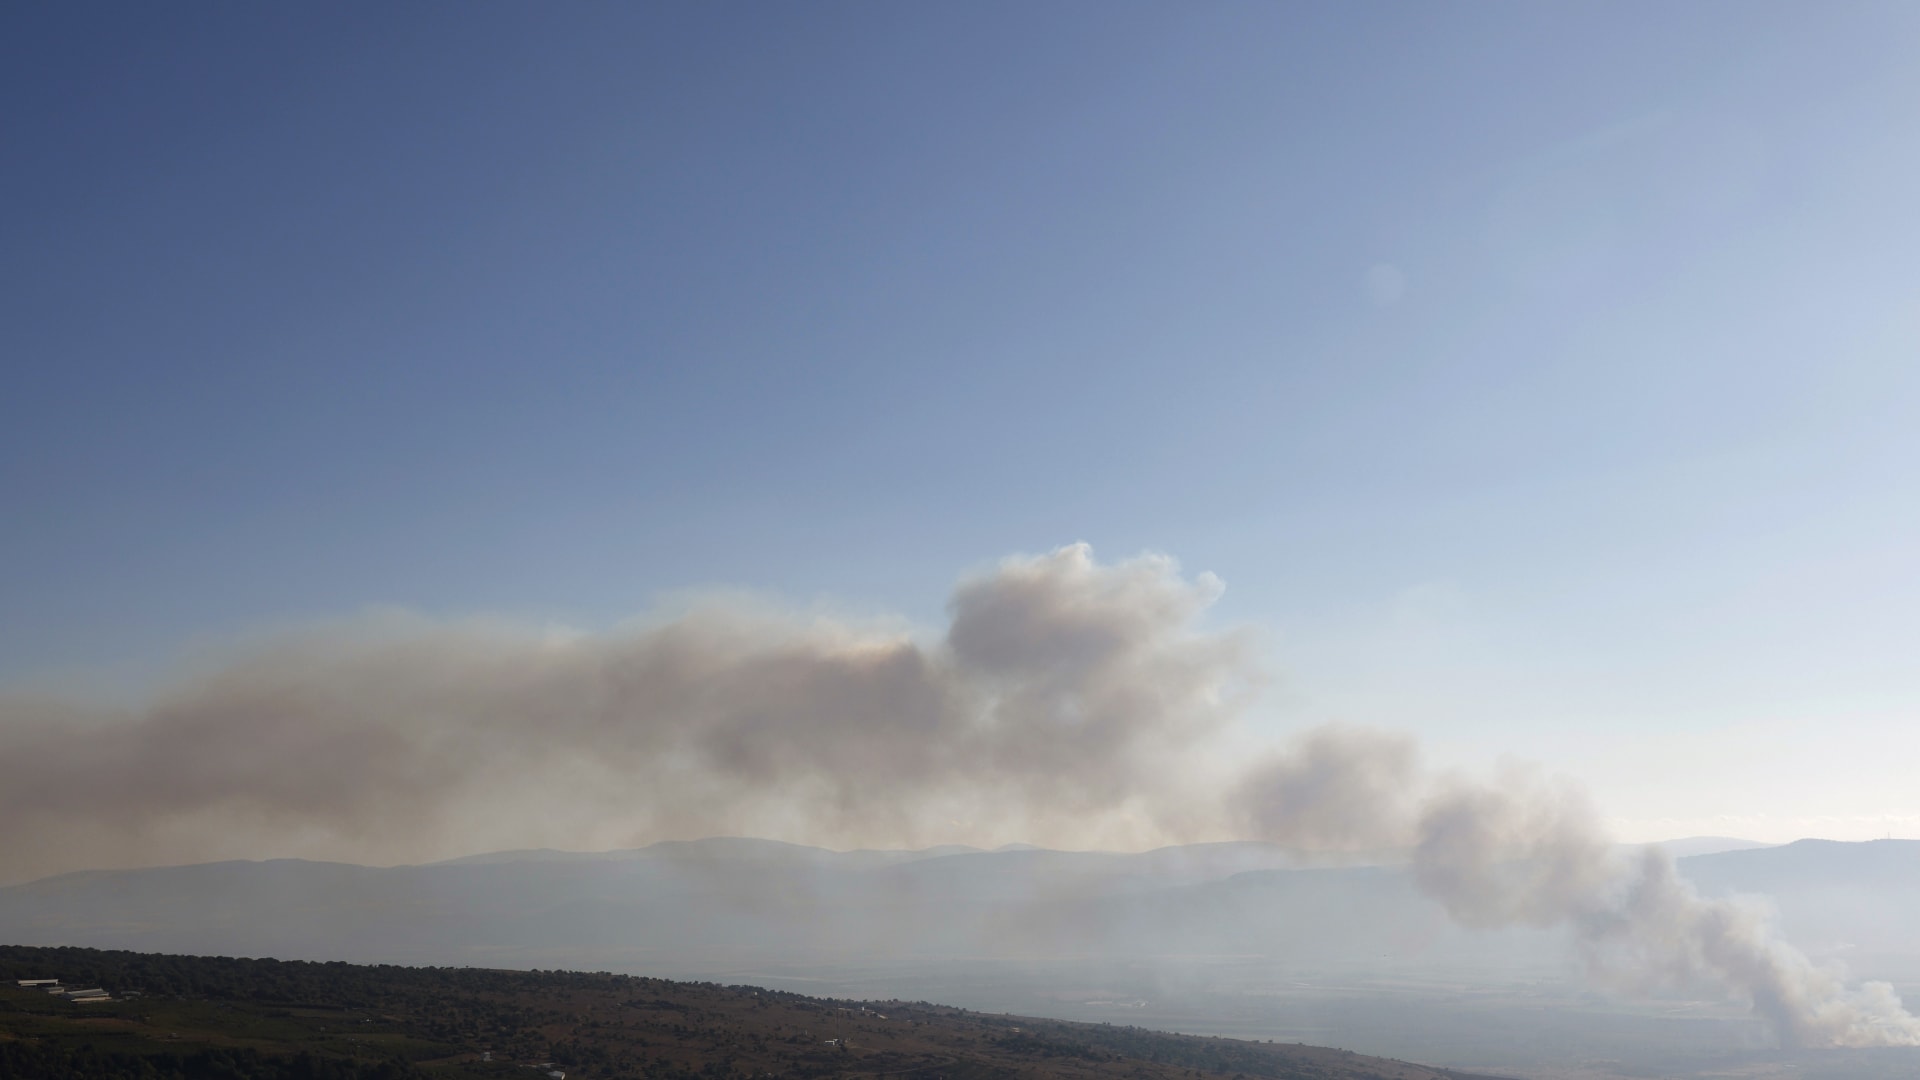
(735, 909)
(188, 1018)
(719, 907)
(729, 908)
(1871, 864)
(1848, 901)
(1232, 939)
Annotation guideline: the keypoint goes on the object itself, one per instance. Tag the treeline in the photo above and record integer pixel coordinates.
(331, 984)
(1203, 1054)
(47, 1061)
(222, 1018)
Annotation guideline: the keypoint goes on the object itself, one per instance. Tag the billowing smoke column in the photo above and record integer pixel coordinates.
(1067, 703)
(1519, 852)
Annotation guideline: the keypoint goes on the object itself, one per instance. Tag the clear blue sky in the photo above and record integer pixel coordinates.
(1546, 377)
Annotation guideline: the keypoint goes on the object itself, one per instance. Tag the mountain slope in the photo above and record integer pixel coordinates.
(710, 907)
(714, 906)
(1847, 901)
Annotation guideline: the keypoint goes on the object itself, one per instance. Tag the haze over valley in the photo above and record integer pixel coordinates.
(960, 542)
(1234, 939)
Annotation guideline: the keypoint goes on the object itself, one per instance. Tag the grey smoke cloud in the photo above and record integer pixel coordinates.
(1656, 929)
(1519, 851)
(1067, 703)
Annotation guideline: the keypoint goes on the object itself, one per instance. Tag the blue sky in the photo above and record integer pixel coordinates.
(1542, 377)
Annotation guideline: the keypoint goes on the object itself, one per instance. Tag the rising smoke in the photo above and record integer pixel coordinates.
(1068, 703)
(1517, 851)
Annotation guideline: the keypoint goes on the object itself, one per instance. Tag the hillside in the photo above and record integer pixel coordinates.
(191, 1017)
(1850, 901)
(714, 908)
(1234, 940)
(732, 909)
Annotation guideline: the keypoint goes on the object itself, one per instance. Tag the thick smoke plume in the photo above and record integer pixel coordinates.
(1518, 852)
(1067, 703)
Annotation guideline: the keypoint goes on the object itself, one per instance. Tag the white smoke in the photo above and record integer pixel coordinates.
(1519, 852)
(1068, 703)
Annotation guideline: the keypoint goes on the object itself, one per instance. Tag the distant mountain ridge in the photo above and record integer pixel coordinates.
(1244, 854)
(718, 847)
(1807, 862)
(1689, 846)
(696, 907)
